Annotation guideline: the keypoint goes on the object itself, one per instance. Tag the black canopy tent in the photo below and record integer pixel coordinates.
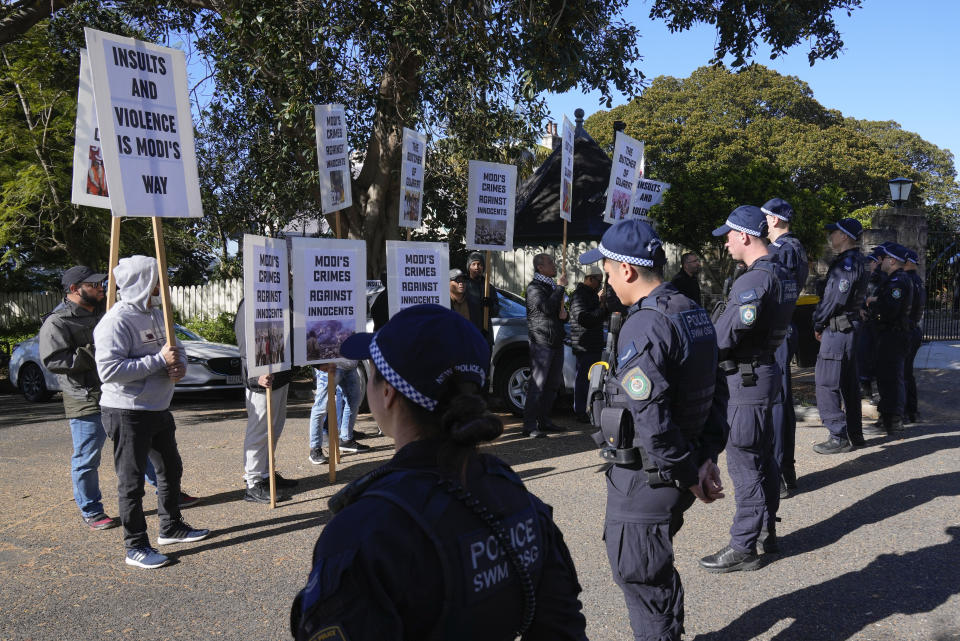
(537, 220)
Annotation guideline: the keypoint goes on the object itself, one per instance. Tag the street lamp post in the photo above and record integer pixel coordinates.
(900, 190)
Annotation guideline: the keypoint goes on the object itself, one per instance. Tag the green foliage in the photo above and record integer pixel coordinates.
(218, 329)
(18, 333)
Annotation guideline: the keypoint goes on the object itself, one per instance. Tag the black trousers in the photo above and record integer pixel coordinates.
(546, 377)
(892, 347)
(910, 382)
(137, 434)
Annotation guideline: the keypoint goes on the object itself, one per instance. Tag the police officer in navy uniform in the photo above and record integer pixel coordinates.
(441, 542)
(891, 309)
(836, 321)
(749, 331)
(653, 411)
(787, 250)
(916, 334)
(866, 337)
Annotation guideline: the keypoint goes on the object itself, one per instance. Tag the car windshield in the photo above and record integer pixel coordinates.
(511, 305)
(185, 334)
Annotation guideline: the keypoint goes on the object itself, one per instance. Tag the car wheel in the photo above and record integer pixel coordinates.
(32, 383)
(513, 376)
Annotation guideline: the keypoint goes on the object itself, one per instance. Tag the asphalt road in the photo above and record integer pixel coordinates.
(871, 545)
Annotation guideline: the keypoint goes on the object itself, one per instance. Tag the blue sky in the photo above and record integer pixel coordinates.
(899, 63)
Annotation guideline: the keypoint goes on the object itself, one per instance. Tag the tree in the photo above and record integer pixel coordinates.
(724, 139)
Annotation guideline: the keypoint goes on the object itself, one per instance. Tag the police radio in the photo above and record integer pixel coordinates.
(598, 372)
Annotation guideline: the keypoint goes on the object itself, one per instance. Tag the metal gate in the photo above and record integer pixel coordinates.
(941, 320)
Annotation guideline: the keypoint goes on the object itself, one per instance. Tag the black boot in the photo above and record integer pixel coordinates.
(875, 429)
(866, 390)
(767, 543)
(893, 423)
(833, 445)
(730, 560)
(790, 476)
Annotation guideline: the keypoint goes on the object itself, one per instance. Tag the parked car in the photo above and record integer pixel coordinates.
(210, 366)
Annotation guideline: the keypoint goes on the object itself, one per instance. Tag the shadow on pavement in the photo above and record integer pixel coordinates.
(837, 609)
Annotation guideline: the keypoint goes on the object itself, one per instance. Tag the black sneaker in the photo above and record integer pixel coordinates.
(260, 493)
(353, 446)
(359, 436)
(730, 560)
(833, 445)
(317, 457)
(182, 532)
(281, 482)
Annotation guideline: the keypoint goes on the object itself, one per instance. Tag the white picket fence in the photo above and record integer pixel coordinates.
(204, 301)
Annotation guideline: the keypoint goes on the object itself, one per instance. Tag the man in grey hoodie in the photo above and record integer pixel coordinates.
(138, 368)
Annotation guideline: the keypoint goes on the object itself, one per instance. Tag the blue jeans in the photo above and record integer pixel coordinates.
(349, 392)
(88, 439)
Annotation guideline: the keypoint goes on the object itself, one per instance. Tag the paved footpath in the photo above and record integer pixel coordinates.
(871, 545)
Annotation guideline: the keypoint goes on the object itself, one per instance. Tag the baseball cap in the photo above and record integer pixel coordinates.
(81, 274)
(849, 226)
(749, 219)
(420, 348)
(913, 257)
(778, 207)
(629, 241)
(895, 251)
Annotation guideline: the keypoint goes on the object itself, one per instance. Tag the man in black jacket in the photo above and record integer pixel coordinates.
(545, 316)
(686, 280)
(587, 314)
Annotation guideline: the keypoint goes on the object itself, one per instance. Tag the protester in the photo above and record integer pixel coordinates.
(410, 543)
(256, 464)
(545, 316)
(686, 281)
(460, 302)
(476, 266)
(138, 368)
(587, 314)
(350, 392)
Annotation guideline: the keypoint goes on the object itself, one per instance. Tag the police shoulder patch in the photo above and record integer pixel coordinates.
(844, 285)
(636, 384)
(330, 633)
(748, 314)
(896, 292)
(749, 295)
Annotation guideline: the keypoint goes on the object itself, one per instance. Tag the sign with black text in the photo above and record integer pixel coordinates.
(648, 194)
(566, 171)
(490, 206)
(627, 169)
(333, 156)
(145, 128)
(329, 296)
(411, 178)
(266, 306)
(417, 274)
(89, 176)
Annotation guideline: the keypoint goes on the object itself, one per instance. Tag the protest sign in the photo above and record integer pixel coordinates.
(411, 178)
(417, 274)
(330, 298)
(146, 132)
(490, 206)
(566, 171)
(333, 156)
(89, 178)
(627, 169)
(648, 194)
(266, 295)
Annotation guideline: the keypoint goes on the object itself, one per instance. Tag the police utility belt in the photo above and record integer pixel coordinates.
(841, 324)
(613, 421)
(746, 367)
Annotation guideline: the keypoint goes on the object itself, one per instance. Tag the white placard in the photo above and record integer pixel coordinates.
(566, 171)
(417, 274)
(89, 176)
(411, 178)
(490, 206)
(648, 194)
(626, 171)
(333, 156)
(146, 132)
(266, 296)
(329, 296)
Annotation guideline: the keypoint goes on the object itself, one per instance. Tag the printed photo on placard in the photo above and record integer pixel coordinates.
(89, 175)
(145, 128)
(411, 178)
(333, 157)
(266, 296)
(329, 296)
(490, 206)
(566, 171)
(417, 274)
(626, 170)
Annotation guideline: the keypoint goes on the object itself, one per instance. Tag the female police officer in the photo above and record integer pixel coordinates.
(442, 542)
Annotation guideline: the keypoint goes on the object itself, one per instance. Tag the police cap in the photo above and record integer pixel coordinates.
(895, 251)
(779, 208)
(849, 226)
(746, 218)
(629, 241)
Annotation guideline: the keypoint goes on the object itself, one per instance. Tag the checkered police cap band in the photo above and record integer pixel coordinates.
(772, 213)
(398, 381)
(737, 227)
(622, 258)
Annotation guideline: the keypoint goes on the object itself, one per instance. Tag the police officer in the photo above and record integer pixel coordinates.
(836, 321)
(916, 333)
(787, 250)
(866, 339)
(891, 309)
(441, 542)
(655, 401)
(749, 331)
